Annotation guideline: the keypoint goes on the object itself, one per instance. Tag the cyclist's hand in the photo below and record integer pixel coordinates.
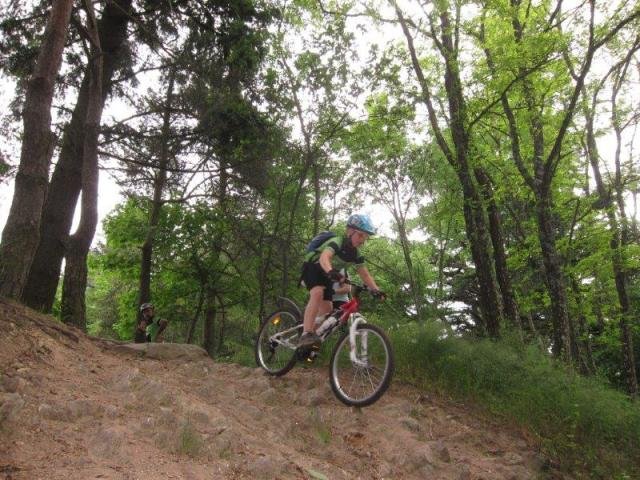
(335, 275)
(379, 294)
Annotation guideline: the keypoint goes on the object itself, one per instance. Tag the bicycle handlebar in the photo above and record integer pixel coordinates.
(364, 288)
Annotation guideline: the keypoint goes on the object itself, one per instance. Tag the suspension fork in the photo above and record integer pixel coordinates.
(357, 319)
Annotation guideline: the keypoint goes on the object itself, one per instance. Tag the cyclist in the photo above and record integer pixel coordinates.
(340, 291)
(148, 329)
(322, 268)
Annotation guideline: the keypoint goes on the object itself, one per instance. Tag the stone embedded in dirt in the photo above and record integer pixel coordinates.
(256, 383)
(71, 411)
(10, 406)
(512, 458)
(411, 424)
(199, 417)
(223, 443)
(151, 393)
(264, 467)
(421, 458)
(465, 473)
(12, 384)
(106, 443)
(269, 396)
(313, 397)
(111, 411)
(441, 451)
(54, 412)
(84, 408)
(164, 351)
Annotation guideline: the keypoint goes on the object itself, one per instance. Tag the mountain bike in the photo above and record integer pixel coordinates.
(362, 362)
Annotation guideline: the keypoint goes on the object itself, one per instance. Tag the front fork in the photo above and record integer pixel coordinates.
(358, 360)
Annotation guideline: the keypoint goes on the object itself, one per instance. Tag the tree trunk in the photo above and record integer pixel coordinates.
(75, 275)
(194, 320)
(415, 288)
(209, 343)
(156, 206)
(317, 203)
(616, 244)
(62, 197)
(587, 365)
(477, 235)
(22, 230)
(499, 254)
(223, 325)
(474, 214)
(563, 330)
(620, 238)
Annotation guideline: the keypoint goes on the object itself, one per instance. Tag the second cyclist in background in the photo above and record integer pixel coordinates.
(341, 291)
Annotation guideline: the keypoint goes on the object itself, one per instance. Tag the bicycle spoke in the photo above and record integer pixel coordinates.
(276, 343)
(363, 380)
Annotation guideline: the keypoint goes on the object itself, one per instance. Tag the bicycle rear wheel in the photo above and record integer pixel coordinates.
(276, 343)
(363, 381)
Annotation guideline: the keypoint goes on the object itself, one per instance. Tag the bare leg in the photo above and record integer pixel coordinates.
(316, 306)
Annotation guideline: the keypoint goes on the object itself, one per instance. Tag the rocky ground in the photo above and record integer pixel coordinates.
(75, 407)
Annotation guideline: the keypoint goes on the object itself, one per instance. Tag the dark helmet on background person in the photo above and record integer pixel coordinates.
(144, 306)
(362, 222)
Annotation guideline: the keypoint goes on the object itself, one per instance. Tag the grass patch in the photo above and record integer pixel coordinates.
(322, 431)
(581, 423)
(190, 442)
(238, 353)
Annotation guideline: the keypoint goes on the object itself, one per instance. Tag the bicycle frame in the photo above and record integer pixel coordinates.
(351, 310)
(346, 311)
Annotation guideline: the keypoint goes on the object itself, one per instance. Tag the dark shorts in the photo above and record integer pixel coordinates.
(313, 276)
(140, 336)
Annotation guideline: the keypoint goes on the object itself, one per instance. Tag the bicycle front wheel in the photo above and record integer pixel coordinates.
(276, 344)
(360, 379)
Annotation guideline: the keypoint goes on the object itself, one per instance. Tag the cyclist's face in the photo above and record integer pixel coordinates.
(358, 238)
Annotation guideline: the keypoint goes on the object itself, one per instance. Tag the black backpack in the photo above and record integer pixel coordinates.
(318, 240)
(312, 250)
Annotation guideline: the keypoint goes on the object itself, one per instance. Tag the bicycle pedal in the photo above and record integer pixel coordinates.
(307, 354)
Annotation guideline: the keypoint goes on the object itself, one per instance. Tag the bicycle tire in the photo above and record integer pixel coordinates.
(276, 355)
(347, 379)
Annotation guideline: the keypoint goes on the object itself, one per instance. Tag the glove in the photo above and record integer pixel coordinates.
(335, 275)
(379, 294)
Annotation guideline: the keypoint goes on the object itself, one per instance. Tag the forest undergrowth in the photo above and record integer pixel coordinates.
(581, 423)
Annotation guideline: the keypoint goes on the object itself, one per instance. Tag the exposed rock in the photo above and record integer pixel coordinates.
(441, 452)
(410, 423)
(106, 444)
(10, 406)
(264, 467)
(163, 351)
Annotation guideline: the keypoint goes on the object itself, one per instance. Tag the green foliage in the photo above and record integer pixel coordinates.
(581, 422)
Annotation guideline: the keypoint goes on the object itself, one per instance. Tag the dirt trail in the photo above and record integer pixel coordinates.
(72, 407)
